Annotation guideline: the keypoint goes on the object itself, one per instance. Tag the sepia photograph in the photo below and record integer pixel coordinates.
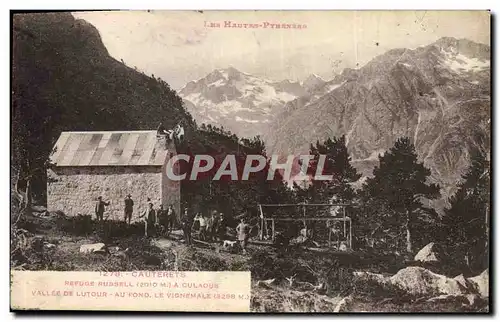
(251, 161)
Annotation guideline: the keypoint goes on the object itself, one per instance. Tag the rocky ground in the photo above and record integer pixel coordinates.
(301, 281)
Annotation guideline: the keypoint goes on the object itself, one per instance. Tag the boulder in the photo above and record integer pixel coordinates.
(299, 240)
(464, 282)
(363, 277)
(448, 298)
(423, 282)
(93, 248)
(343, 305)
(38, 209)
(468, 300)
(475, 300)
(428, 254)
(266, 283)
(163, 243)
(481, 283)
(49, 246)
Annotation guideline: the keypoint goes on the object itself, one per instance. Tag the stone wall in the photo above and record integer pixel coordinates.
(75, 190)
(171, 190)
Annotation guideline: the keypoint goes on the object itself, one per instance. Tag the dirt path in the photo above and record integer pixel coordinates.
(175, 242)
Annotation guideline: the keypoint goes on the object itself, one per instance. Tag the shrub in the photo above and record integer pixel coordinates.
(80, 225)
(110, 229)
(238, 266)
(264, 265)
(194, 260)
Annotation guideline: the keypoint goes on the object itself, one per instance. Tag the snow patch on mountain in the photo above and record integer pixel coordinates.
(242, 103)
(240, 119)
(460, 63)
(331, 87)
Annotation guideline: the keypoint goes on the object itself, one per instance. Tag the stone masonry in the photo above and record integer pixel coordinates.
(74, 190)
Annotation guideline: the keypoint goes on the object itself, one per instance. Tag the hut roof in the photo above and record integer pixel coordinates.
(108, 148)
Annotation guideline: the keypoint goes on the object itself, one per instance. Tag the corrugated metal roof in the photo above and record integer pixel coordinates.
(116, 148)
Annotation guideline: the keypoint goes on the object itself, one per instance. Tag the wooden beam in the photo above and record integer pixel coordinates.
(309, 218)
(345, 232)
(261, 212)
(261, 223)
(304, 215)
(272, 223)
(329, 233)
(350, 235)
(307, 204)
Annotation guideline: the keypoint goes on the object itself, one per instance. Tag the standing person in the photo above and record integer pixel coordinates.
(221, 227)
(215, 226)
(242, 230)
(187, 224)
(161, 215)
(202, 233)
(149, 220)
(129, 208)
(209, 227)
(99, 208)
(170, 218)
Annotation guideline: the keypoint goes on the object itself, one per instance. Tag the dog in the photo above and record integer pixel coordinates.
(230, 245)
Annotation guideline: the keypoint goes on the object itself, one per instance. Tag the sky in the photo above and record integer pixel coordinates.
(179, 47)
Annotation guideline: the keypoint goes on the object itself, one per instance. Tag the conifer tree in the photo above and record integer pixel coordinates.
(394, 194)
(465, 223)
(337, 163)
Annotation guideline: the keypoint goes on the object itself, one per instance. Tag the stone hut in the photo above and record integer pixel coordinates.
(86, 165)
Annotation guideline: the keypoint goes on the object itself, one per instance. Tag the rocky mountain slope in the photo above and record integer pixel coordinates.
(438, 95)
(241, 103)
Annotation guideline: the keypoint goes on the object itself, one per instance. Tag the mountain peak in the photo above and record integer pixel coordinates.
(313, 81)
(313, 77)
(229, 72)
(454, 42)
(222, 74)
(231, 69)
(464, 46)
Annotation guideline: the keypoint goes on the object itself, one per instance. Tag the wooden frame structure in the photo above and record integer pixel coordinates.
(265, 221)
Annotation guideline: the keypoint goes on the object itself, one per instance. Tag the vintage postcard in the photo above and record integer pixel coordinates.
(251, 161)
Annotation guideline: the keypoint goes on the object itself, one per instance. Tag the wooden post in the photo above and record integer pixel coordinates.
(487, 231)
(262, 221)
(329, 233)
(272, 227)
(304, 213)
(345, 230)
(261, 233)
(350, 234)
